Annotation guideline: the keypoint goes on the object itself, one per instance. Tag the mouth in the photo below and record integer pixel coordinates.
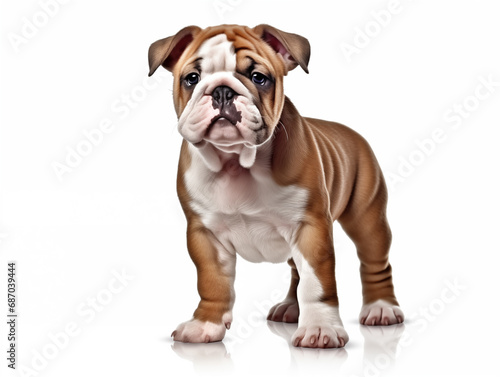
(223, 131)
(216, 118)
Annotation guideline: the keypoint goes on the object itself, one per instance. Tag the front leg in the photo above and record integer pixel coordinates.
(320, 325)
(216, 272)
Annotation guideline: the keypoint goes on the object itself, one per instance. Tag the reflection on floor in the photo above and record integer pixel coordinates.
(206, 358)
(380, 348)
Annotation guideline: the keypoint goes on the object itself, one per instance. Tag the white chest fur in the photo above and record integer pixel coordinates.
(247, 212)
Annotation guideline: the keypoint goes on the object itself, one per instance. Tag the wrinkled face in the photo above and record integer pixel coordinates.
(228, 86)
(228, 91)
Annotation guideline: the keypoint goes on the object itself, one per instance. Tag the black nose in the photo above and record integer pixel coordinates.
(222, 96)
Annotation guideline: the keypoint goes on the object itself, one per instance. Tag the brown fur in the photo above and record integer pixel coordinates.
(340, 171)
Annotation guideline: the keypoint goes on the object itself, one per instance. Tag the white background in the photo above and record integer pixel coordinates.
(117, 212)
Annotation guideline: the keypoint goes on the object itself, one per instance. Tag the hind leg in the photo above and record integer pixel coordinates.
(365, 223)
(288, 309)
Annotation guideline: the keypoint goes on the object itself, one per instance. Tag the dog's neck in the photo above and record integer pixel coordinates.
(288, 142)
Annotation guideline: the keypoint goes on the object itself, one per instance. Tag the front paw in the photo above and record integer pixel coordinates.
(381, 313)
(321, 336)
(196, 331)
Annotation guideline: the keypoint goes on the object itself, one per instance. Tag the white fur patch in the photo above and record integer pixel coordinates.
(320, 325)
(218, 55)
(196, 331)
(247, 156)
(248, 213)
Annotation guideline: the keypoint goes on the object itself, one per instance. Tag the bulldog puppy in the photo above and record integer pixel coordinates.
(257, 179)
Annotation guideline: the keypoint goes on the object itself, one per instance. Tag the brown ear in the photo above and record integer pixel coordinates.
(294, 48)
(167, 51)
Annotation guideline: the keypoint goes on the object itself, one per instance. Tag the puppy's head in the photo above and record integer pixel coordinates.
(228, 83)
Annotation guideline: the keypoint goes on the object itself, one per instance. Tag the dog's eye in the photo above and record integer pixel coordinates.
(192, 79)
(258, 78)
